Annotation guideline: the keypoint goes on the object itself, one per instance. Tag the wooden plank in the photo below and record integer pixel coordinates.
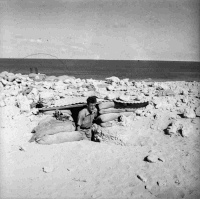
(62, 107)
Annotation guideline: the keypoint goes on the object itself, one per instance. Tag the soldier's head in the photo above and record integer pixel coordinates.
(91, 103)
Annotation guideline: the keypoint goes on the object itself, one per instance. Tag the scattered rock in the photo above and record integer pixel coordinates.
(197, 111)
(189, 113)
(187, 131)
(35, 111)
(10, 111)
(22, 148)
(11, 85)
(10, 101)
(23, 103)
(173, 129)
(40, 77)
(111, 96)
(46, 95)
(139, 112)
(162, 182)
(48, 169)
(2, 103)
(161, 159)
(180, 127)
(51, 78)
(11, 77)
(142, 178)
(3, 74)
(32, 75)
(166, 92)
(125, 98)
(151, 158)
(110, 88)
(152, 187)
(4, 82)
(112, 79)
(185, 100)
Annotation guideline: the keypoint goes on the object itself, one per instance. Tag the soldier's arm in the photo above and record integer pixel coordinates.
(79, 121)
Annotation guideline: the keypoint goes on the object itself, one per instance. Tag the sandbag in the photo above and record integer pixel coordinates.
(126, 113)
(107, 117)
(45, 120)
(114, 110)
(105, 105)
(106, 124)
(62, 137)
(50, 127)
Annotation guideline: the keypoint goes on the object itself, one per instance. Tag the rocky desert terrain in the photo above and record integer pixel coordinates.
(151, 153)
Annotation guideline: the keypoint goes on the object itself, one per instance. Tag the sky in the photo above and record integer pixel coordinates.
(101, 29)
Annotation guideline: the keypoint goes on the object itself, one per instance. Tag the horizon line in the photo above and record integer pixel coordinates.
(100, 59)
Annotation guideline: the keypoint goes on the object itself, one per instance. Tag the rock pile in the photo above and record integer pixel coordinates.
(27, 91)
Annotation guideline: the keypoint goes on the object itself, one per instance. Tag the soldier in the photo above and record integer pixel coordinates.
(87, 116)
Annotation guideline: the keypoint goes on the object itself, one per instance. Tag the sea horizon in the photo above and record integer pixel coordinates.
(155, 70)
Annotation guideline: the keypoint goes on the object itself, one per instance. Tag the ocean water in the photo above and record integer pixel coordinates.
(100, 69)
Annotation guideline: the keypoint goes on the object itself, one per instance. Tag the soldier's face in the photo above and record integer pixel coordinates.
(91, 107)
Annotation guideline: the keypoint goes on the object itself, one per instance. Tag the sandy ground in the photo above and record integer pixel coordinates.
(143, 162)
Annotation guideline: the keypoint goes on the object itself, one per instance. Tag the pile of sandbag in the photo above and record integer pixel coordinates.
(53, 131)
(109, 111)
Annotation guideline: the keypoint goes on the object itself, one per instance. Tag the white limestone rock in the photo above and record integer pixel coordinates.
(110, 88)
(65, 77)
(111, 96)
(48, 169)
(3, 74)
(11, 77)
(181, 127)
(44, 95)
(172, 130)
(33, 95)
(10, 101)
(14, 92)
(124, 98)
(23, 103)
(142, 177)
(4, 82)
(112, 79)
(34, 111)
(139, 112)
(189, 113)
(150, 107)
(1, 86)
(163, 86)
(197, 111)
(138, 84)
(187, 130)
(47, 85)
(2, 103)
(10, 111)
(59, 88)
(152, 158)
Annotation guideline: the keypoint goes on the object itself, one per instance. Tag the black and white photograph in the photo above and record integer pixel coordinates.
(99, 99)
